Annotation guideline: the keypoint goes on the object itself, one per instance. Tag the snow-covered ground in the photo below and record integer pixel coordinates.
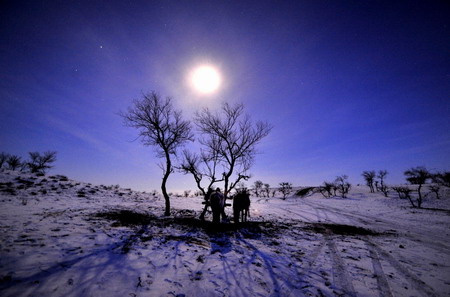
(65, 238)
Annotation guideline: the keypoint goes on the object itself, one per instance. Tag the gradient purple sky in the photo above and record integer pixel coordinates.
(348, 85)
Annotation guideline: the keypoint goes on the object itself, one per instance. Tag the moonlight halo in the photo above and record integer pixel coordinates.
(205, 79)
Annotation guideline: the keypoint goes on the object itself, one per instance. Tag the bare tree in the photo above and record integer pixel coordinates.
(369, 176)
(343, 186)
(326, 189)
(231, 137)
(442, 178)
(285, 189)
(257, 187)
(435, 189)
(41, 163)
(383, 188)
(200, 166)
(404, 193)
(418, 176)
(14, 162)
(162, 127)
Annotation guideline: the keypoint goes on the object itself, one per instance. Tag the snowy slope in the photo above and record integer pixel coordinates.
(64, 238)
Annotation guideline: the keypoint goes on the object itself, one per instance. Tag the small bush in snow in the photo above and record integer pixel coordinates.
(385, 190)
(404, 193)
(257, 188)
(14, 162)
(342, 185)
(41, 163)
(435, 189)
(442, 178)
(369, 177)
(326, 189)
(418, 176)
(285, 189)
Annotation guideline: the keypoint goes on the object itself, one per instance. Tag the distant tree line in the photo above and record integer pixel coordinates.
(36, 163)
(376, 181)
(340, 186)
(420, 176)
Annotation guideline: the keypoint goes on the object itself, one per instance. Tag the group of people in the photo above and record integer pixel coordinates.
(217, 201)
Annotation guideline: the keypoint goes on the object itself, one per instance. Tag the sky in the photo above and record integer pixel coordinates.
(347, 85)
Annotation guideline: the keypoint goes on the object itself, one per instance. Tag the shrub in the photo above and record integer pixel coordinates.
(14, 162)
(404, 193)
(285, 189)
(369, 177)
(326, 189)
(418, 176)
(41, 163)
(342, 185)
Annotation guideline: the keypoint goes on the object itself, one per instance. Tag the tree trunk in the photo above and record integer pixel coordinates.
(411, 201)
(163, 184)
(419, 201)
(226, 182)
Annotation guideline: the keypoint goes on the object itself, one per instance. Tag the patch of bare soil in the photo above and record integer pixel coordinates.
(339, 229)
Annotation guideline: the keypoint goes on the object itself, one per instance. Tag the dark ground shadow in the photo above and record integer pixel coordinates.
(219, 234)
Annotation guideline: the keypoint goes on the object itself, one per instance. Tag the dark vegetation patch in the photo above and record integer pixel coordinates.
(10, 191)
(126, 218)
(339, 229)
(183, 219)
(184, 226)
(305, 191)
(27, 183)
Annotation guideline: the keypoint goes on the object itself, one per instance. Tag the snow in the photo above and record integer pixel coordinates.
(60, 237)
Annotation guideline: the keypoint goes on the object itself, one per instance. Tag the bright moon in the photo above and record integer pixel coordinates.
(205, 79)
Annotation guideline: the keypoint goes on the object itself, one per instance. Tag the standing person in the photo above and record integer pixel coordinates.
(217, 201)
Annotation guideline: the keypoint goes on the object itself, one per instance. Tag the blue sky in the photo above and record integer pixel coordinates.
(348, 85)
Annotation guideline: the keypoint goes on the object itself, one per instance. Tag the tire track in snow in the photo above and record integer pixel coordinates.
(433, 241)
(419, 285)
(376, 253)
(298, 215)
(382, 283)
(340, 272)
(300, 270)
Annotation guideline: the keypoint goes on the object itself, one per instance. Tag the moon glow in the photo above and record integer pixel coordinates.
(205, 79)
